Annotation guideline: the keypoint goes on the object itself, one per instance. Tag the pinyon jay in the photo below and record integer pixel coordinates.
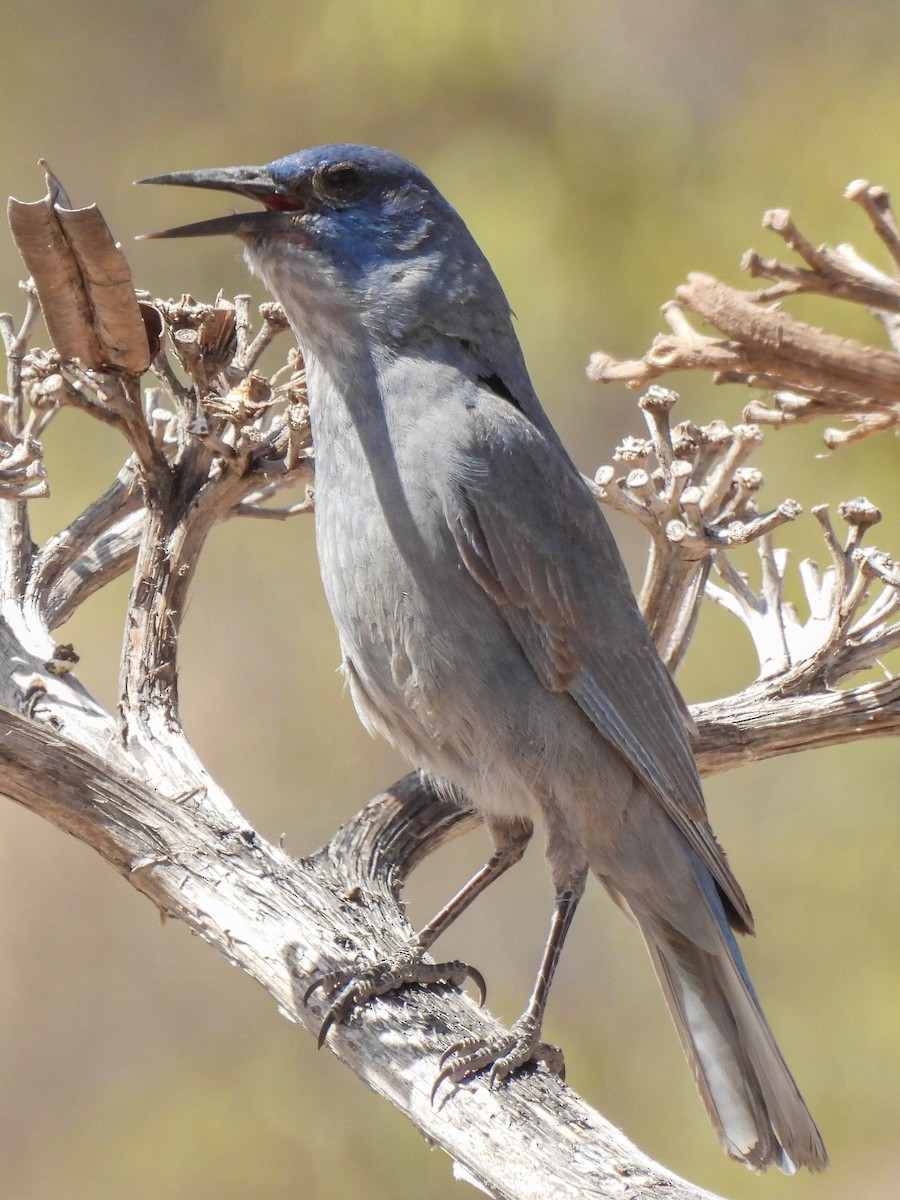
(487, 626)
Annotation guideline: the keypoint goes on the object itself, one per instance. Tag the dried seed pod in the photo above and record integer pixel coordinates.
(83, 282)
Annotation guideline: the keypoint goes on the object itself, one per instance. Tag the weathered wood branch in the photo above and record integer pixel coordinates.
(283, 921)
(811, 372)
(761, 723)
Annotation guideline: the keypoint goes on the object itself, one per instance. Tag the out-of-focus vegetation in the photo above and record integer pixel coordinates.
(599, 149)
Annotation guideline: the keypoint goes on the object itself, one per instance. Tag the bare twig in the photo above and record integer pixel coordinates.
(876, 203)
(690, 489)
(811, 373)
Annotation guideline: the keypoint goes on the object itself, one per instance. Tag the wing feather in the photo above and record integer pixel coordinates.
(543, 552)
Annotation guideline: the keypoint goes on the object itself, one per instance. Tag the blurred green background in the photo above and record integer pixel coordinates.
(599, 149)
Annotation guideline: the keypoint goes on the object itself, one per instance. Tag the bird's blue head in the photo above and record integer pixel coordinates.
(354, 241)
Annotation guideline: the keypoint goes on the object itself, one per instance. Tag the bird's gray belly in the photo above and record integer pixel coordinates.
(433, 667)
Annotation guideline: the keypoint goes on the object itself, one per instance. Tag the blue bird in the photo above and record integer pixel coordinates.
(486, 623)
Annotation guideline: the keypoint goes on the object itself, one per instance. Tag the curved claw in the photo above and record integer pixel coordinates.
(496, 1075)
(457, 1048)
(478, 979)
(469, 1051)
(329, 1020)
(440, 1078)
(318, 982)
(334, 1015)
(348, 990)
(469, 1062)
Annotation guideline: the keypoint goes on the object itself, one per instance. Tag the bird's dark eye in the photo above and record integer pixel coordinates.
(338, 183)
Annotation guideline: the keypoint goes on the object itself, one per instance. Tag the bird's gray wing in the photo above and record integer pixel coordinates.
(529, 532)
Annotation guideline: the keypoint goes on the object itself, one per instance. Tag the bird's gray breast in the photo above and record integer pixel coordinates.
(429, 659)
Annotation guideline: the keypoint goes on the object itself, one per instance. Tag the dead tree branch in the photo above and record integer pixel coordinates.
(811, 373)
(694, 492)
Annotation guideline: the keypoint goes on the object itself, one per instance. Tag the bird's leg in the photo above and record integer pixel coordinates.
(348, 990)
(511, 1049)
(511, 838)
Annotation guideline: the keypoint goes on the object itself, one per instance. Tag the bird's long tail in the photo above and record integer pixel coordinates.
(744, 1082)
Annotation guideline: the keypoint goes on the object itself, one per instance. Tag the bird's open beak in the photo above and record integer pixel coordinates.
(253, 182)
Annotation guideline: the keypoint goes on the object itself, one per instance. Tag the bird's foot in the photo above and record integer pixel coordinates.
(348, 990)
(499, 1055)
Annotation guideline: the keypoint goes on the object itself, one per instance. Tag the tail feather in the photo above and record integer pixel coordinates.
(744, 1082)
